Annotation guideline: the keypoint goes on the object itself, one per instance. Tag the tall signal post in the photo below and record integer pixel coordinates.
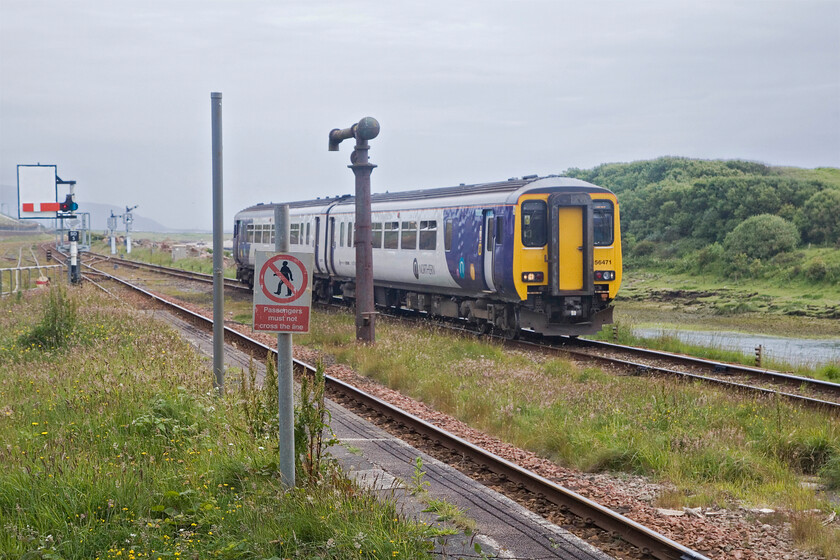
(128, 220)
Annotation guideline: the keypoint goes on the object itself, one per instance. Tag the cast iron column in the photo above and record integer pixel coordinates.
(366, 129)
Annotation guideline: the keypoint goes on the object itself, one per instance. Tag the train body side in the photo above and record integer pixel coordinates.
(543, 254)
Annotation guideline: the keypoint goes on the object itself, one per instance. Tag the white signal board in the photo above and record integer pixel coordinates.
(37, 191)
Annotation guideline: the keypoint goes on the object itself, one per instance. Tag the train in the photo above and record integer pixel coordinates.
(535, 253)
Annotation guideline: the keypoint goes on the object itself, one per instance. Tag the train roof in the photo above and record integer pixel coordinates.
(510, 186)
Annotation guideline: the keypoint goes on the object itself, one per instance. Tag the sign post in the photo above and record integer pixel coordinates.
(282, 298)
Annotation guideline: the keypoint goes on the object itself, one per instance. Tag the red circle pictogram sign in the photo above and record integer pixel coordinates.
(288, 273)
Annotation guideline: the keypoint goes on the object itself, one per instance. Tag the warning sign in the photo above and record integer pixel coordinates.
(282, 293)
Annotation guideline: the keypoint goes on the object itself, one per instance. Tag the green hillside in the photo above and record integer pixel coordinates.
(686, 200)
(730, 219)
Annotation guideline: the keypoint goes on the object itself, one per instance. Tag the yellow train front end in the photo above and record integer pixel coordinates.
(567, 259)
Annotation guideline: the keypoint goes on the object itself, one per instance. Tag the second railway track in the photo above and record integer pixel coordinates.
(805, 390)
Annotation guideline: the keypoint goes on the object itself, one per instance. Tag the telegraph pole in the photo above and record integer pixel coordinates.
(366, 129)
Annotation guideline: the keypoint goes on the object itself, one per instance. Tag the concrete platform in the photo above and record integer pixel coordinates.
(383, 463)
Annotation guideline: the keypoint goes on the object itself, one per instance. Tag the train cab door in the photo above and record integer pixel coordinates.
(488, 252)
(570, 251)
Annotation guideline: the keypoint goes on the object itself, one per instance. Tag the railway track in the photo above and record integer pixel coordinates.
(647, 541)
(804, 390)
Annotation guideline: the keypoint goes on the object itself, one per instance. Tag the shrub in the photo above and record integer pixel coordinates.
(57, 324)
(644, 248)
(816, 269)
(761, 237)
(818, 218)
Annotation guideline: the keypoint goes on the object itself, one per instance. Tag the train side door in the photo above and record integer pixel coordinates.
(317, 244)
(570, 251)
(331, 244)
(488, 252)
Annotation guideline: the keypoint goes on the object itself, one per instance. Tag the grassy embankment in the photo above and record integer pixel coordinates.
(203, 263)
(715, 447)
(115, 447)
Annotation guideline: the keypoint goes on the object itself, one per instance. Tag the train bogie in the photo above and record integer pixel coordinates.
(542, 254)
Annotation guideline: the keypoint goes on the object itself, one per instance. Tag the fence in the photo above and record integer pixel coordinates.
(20, 278)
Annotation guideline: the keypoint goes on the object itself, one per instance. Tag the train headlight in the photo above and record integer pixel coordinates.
(532, 276)
(605, 275)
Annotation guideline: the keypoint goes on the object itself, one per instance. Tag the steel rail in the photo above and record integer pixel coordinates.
(775, 376)
(168, 270)
(647, 540)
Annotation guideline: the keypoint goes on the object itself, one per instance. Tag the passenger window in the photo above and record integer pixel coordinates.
(428, 235)
(408, 238)
(307, 233)
(376, 235)
(341, 235)
(447, 235)
(534, 223)
(500, 229)
(602, 222)
(294, 234)
(350, 231)
(491, 235)
(392, 235)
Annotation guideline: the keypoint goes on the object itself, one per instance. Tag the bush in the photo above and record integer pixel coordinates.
(57, 324)
(761, 237)
(818, 218)
(644, 248)
(816, 269)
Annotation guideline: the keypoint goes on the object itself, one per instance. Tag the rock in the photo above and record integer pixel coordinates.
(670, 512)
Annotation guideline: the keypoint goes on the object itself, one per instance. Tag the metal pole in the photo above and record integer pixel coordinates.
(366, 129)
(285, 376)
(218, 250)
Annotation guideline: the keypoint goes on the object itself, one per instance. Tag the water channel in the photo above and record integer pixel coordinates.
(814, 352)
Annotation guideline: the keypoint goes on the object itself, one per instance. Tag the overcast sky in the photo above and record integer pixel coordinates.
(117, 93)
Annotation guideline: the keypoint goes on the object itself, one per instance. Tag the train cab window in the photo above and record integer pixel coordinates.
(408, 236)
(376, 235)
(602, 222)
(428, 235)
(392, 235)
(341, 235)
(294, 234)
(447, 235)
(350, 231)
(534, 223)
(235, 228)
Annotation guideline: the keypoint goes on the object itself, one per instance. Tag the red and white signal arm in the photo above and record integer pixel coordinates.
(37, 192)
(282, 291)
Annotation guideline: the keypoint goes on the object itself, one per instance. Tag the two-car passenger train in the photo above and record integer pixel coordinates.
(531, 253)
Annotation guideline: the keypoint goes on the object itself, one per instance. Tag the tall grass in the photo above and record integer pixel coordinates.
(115, 446)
